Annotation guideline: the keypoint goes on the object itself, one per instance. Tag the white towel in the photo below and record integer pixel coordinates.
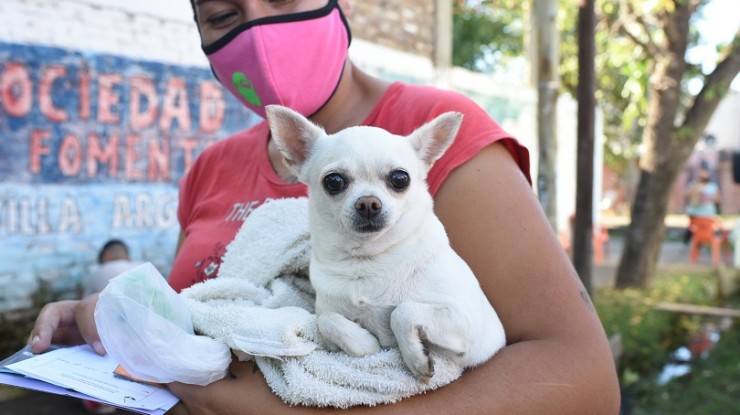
(274, 240)
(262, 307)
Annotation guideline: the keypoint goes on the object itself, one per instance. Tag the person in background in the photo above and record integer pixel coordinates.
(703, 197)
(295, 53)
(113, 260)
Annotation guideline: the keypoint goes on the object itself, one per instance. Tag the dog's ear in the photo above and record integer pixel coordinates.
(294, 135)
(431, 140)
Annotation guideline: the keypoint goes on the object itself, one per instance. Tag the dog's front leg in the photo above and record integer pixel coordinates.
(350, 337)
(423, 330)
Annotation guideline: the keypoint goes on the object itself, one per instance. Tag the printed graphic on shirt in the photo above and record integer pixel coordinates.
(208, 267)
(241, 210)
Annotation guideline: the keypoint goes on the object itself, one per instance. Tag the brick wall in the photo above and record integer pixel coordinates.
(161, 30)
(164, 29)
(406, 25)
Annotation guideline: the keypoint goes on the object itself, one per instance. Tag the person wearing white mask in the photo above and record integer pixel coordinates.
(113, 260)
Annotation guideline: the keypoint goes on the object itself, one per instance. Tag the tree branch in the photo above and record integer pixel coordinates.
(716, 85)
(694, 4)
(629, 18)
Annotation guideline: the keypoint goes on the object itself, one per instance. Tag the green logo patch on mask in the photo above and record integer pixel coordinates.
(245, 88)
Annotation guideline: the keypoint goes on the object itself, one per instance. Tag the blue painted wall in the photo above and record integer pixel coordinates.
(92, 147)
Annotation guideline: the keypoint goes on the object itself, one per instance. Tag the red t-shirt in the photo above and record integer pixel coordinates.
(234, 176)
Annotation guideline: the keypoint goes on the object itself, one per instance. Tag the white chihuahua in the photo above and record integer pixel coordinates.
(381, 262)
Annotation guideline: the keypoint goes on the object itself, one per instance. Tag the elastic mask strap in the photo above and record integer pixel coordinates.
(282, 18)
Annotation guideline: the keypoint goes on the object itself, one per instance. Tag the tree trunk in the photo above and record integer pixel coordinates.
(644, 235)
(583, 228)
(667, 146)
(547, 98)
(442, 57)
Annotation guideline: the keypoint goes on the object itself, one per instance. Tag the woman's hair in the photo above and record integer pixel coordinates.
(195, 16)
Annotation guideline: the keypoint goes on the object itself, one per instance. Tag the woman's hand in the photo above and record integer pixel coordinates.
(66, 322)
(242, 391)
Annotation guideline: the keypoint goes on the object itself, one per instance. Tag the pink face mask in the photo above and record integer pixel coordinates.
(294, 60)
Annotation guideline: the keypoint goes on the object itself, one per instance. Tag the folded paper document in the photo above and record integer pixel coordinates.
(79, 372)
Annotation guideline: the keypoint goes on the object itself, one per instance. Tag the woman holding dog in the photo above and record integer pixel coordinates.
(294, 53)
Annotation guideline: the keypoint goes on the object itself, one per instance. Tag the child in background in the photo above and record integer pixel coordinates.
(113, 260)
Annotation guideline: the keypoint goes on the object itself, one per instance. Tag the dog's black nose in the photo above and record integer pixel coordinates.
(368, 206)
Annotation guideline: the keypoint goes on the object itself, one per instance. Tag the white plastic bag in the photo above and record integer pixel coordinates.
(146, 327)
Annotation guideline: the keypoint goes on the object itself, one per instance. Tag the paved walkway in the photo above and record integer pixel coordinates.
(674, 254)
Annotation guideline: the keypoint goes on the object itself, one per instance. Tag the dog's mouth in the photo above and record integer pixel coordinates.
(368, 225)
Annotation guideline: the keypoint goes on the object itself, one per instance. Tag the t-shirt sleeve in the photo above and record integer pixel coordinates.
(477, 131)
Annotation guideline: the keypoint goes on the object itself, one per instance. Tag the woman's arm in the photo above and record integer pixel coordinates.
(557, 359)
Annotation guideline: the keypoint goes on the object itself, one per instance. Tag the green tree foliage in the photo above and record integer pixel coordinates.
(644, 67)
(621, 82)
(486, 33)
(489, 33)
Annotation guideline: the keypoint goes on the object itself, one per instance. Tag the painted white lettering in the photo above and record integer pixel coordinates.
(144, 211)
(69, 217)
(144, 217)
(121, 213)
(24, 211)
(28, 216)
(43, 227)
(9, 213)
(166, 211)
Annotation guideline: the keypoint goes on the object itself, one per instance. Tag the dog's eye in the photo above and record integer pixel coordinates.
(334, 183)
(399, 180)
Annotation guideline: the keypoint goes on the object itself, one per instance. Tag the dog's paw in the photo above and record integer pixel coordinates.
(347, 335)
(416, 355)
(362, 346)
